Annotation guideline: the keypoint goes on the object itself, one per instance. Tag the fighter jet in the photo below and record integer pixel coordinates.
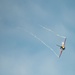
(62, 47)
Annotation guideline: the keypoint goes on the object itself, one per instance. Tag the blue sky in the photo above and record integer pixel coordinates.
(23, 54)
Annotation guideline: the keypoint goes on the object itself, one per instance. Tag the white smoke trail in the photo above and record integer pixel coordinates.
(43, 43)
(52, 32)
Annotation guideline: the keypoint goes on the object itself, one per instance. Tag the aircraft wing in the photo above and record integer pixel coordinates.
(60, 52)
(64, 41)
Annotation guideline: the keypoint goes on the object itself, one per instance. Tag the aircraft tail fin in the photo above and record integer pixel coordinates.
(58, 45)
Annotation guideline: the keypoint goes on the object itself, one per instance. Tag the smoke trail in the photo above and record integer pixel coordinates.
(43, 43)
(52, 32)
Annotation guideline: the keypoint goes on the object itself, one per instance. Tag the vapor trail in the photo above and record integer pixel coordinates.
(52, 32)
(43, 43)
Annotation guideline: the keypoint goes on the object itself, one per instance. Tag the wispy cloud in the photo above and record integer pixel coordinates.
(26, 65)
(21, 53)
